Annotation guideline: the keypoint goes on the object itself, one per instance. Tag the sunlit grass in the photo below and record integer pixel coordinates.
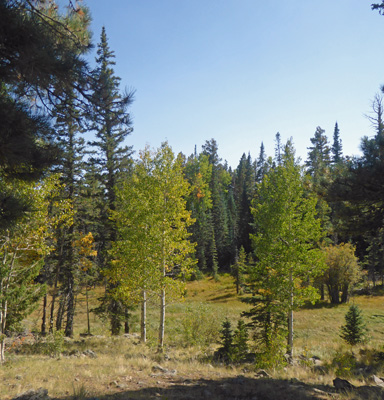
(124, 361)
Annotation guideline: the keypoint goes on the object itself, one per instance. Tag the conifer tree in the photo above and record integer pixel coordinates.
(261, 166)
(240, 341)
(239, 268)
(42, 60)
(337, 148)
(354, 331)
(112, 124)
(225, 351)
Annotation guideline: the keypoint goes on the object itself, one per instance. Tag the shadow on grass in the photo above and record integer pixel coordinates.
(239, 388)
(223, 297)
(319, 305)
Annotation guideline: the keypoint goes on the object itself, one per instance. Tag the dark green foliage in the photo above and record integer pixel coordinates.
(377, 6)
(112, 123)
(238, 269)
(240, 341)
(234, 345)
(225, 351)
(337, 148)
(354, 331)
(40, 62)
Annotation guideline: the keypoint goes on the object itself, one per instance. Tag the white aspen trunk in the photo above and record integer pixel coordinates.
(162, 320)
(3, 318)
(290, 322)
(143, 338)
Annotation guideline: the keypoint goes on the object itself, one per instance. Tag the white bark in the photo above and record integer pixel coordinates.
(144, 318)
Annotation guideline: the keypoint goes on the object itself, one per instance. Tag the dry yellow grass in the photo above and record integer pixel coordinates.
(124, 367)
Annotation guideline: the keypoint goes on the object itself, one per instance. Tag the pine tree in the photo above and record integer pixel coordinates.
(354, 331)
(240, 341)
(225, 351)
(261, 165)
(112, 124)
(244, 189)
(42, 58)
(337, 148)
(239, 268)
(219, 183)
(278, 148)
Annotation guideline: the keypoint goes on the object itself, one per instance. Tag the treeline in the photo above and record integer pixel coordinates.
(77, 213)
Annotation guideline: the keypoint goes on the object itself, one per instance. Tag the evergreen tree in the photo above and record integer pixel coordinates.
(225, 351)
(319, 155)
(41, 53)
(318, 166)
(198, 171)
(354, 331)
(238, 269)
(244, 189)
(278, 148)
(240, 341)
(337, 148)
(112, 124)
(261, 166)
(219, 183)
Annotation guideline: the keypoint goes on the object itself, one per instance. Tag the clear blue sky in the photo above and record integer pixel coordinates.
(241, 70)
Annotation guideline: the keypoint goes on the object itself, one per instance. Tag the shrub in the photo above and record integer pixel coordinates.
(199, 326)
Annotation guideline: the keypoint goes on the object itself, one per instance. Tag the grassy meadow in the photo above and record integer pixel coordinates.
(104, 367)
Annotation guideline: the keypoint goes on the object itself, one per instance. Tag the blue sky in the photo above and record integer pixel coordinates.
(241, 70)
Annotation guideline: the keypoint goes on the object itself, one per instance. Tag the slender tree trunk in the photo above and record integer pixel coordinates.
(87, 302)
(3, 318)
(60, 313)
(115, 317)
(70, 307)
(44, 318)
(290, 322)
(144, 318)
(126, 322)
(334, 294)
(162, 321)
(322, 292)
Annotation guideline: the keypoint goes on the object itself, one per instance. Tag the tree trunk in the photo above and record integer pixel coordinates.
(322, 292)
(3, 319)
(70, 306)
(290, 323)
(162, 321)
(345, 294)
(87, 302)
(115, 317)
(126, 322)
(144, 318)
(334, 294)
(44, 318)
(60, 313)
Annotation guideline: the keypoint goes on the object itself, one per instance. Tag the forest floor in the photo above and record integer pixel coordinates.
(102, 367)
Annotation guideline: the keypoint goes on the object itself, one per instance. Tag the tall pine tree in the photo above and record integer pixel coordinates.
(112, 124)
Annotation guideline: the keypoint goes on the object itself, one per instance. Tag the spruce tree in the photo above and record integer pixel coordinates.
(354, 331)
(337, 148)
(112, 124)
(225, 351)
(240, 341)
(238, 269)
(71, 167)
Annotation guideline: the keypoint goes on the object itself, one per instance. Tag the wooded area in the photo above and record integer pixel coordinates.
(75, 213)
